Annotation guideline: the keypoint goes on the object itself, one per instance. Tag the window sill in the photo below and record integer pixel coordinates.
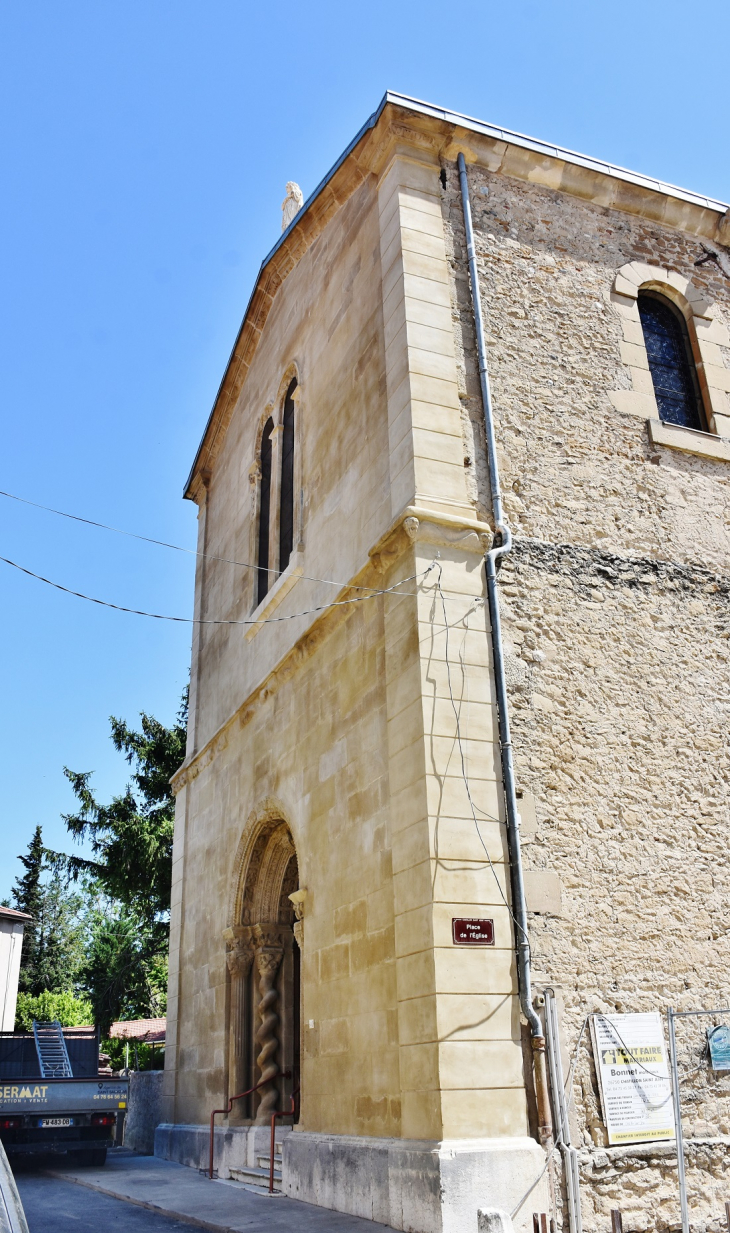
(278, 592)
(689, 440)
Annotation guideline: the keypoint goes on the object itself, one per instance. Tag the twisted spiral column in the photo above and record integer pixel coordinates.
(268, 960)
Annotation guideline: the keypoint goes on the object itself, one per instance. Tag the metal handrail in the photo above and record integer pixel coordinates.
(286, 1074)
(279, 1113)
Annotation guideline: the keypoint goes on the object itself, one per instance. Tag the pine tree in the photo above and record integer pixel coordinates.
(131, 838)
(60, 937)
(53, 939)
(28, 897)
(125, 974)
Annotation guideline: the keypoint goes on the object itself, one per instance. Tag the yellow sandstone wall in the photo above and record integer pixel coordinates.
(353, 736)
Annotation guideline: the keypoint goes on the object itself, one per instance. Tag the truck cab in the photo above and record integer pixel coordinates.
(52, 1097)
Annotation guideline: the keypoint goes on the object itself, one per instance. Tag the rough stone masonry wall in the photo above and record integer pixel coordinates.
(573, 468)
(617, 619)
(620, 691)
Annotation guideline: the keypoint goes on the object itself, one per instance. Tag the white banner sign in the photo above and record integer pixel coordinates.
(636, 1091)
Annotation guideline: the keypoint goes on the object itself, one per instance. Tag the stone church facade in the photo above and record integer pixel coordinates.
(342, 802)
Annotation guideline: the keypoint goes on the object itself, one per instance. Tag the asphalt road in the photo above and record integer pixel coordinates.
(56, 1206)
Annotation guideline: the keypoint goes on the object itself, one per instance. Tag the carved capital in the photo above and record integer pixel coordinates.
(299, 933)
(267, 962)
(240, 958)
(267, 936)
(239, 949)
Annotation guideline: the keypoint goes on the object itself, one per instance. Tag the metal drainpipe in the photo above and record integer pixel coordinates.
(501, 546)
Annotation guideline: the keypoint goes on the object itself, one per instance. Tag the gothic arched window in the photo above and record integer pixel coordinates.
(286, 501)
(670, 361)
(262, 561)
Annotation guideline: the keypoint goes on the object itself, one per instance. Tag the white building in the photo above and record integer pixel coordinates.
(12, 924)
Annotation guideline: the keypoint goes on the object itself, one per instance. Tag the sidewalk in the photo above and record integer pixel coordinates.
(225, 1207)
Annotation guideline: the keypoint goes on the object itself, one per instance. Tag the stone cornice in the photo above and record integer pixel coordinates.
(409, 126)
(470, 535)
(412, 523)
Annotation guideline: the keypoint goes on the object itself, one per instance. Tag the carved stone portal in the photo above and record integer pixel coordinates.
(264, 965)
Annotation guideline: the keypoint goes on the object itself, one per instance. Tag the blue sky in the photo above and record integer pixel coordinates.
(145, 147)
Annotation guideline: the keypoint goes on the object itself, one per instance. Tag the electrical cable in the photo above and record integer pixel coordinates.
(568, 1084)
(629, 1053)
(463, 758)
(161, 543)
(158, 616)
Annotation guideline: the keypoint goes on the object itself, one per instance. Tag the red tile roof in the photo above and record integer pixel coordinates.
(12, 914)
(152, 1031)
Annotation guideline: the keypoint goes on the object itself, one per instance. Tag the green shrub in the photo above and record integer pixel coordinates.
(146, 1056)
(64, 1008)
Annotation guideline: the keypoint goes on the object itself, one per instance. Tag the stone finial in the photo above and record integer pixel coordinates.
(292, 204)
(493, 1220)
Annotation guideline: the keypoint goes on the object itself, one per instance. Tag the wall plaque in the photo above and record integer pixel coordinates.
(471, 931)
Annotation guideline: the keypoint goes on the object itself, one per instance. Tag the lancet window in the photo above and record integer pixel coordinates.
(286, 501)
(262, 573)
(277, 484)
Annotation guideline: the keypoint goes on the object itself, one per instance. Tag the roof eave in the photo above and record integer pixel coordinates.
(369, 124)
(468, 124)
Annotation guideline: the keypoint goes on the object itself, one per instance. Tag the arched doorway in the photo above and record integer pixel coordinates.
(263, 961)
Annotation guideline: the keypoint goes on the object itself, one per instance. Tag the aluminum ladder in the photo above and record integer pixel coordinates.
(51, 1050)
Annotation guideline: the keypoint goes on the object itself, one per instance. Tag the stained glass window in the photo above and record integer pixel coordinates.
(670, 361)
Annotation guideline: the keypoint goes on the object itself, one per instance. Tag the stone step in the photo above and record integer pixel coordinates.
(277, 1149)
(264, 1161)
(257, 1177)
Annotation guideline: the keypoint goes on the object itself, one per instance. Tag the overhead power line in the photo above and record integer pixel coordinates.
(161, 543)
(159, 616)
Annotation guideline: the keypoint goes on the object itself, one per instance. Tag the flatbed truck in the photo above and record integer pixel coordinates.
(52, 1097)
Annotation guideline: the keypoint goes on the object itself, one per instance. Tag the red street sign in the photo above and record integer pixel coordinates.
(469, 931)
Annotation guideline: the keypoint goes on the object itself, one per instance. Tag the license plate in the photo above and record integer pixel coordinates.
(56, 1121)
